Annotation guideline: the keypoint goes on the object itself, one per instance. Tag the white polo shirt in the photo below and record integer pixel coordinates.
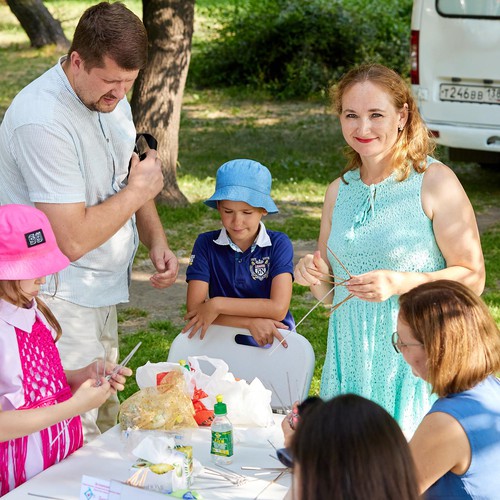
(53, 149)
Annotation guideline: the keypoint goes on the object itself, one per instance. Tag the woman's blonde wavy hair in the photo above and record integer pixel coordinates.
(414, 142)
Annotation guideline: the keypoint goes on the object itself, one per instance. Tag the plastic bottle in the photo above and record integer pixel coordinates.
(222, 435)
(185, 364)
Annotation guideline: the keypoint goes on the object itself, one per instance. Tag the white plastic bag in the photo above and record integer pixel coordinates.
(146, 375)
(247, 403)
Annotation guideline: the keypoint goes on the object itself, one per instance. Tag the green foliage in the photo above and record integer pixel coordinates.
(296, 48)
(286, 46)
(383, 31)
(19, 63)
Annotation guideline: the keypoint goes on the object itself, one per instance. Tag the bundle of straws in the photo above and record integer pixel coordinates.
(138, 478)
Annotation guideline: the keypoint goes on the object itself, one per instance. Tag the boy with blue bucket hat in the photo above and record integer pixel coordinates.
(245, 270)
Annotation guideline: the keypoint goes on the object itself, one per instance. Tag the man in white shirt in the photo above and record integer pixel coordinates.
(66, 145)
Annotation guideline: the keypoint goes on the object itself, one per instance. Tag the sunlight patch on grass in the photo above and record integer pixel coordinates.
(13, 37)
(196, 189)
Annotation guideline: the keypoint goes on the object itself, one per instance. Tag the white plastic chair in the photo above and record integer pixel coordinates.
(286, 372)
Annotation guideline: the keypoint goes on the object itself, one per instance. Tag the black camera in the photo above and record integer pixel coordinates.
(143, 143)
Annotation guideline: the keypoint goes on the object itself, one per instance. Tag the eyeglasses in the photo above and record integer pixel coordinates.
(398, 345)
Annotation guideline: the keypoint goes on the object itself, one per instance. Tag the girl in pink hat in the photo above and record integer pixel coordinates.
(40, 403)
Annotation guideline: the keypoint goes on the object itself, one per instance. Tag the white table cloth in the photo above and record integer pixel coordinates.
(108, 457)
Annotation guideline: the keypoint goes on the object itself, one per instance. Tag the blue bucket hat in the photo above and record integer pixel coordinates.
(244, 180)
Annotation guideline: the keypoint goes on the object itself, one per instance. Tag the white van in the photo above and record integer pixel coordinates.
(455, 74)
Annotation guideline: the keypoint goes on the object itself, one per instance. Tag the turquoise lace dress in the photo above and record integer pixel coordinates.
(382, 226)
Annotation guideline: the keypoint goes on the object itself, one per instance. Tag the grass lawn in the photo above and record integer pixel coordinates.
(299, 141)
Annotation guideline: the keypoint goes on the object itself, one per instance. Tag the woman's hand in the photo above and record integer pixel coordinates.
(375, 286)
(311, 269)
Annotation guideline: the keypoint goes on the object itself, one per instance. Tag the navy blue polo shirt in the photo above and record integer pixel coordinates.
(244, 275)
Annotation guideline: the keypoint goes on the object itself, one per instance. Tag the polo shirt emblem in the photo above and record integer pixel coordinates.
(259, 268)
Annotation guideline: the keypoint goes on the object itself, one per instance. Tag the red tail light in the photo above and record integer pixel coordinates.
(414, 74)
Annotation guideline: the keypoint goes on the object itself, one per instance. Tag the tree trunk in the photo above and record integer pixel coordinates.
(157, 97)
(41, 28)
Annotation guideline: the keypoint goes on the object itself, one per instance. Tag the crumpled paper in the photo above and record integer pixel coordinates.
(157, 450)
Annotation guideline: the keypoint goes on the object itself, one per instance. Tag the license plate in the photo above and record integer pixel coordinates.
(469, 93)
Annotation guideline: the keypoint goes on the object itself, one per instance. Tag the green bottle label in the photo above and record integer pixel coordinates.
(222, 443)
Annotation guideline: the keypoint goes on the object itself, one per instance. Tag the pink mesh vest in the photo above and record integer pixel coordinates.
(45, 384)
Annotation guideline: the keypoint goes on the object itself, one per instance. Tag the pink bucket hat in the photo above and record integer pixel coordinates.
(28, 247)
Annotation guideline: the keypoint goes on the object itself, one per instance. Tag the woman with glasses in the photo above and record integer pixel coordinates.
(449, 338)
(395, 218)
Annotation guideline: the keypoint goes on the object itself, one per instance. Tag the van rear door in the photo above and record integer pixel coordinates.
(459, 61)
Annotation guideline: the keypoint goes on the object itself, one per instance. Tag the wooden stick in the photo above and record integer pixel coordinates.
(336, 306)
(342, 280)
(339, 261)
(270, 483)
(283, 406)
(334, 283)
(303, 318)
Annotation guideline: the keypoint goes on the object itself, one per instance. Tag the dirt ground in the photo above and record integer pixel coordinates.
(166, 304)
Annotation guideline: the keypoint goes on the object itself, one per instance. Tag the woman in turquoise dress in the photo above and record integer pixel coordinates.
(395, 218)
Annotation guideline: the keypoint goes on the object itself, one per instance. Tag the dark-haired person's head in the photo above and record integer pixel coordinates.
(112, 30)
(109, 48)
(460, 341)
(350, 448)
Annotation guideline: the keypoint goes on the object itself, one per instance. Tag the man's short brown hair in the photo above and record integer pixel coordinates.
(112, 30)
